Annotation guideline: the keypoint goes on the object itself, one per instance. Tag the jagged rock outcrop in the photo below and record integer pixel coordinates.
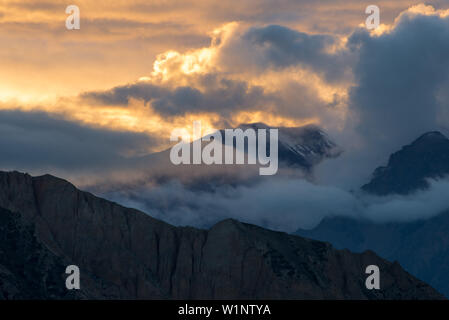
(123, 253)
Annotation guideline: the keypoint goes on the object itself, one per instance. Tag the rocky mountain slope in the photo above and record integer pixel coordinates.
(408, 168)
(123, 253)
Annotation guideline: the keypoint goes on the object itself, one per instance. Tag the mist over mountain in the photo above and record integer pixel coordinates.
(422, 245)
(299, 149)
(291, 199)
(201, 195)
(124, 253)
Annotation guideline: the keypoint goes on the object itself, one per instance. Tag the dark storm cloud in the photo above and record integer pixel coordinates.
(400, 92)
(122, 94)
(221, 95)
(30, 140)
(218, 95)
(285, 46)
(398, 76)
(282, 47)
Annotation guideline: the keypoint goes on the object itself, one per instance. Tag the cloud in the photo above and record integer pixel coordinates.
(39, 142)
(109, 49)
(419, 206)
(397, 91)
(278, 203)
(271, 69)
(400, 92)
(217, 95)
(280, 47)
(398, 75)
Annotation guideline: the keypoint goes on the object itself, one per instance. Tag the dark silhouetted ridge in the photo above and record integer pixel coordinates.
(125, 254)
(408, 168)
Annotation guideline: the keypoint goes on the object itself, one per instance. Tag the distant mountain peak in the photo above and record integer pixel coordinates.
(299, 147)
(429, 137)
(303, 146)
(407, 169)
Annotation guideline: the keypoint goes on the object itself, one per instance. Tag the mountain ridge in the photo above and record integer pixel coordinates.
(408, 168)
(126, 254)
(422, 247)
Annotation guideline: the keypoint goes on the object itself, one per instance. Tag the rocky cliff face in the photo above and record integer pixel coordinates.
(123, 253)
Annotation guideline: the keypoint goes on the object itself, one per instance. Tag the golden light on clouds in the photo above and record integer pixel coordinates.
(168, 64)
(172, 64)
(271, 119)
(424, 9)
(172, 44)
(419, 9)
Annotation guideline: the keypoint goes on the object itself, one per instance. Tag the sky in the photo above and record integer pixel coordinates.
(248, 59)
(79, 102)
